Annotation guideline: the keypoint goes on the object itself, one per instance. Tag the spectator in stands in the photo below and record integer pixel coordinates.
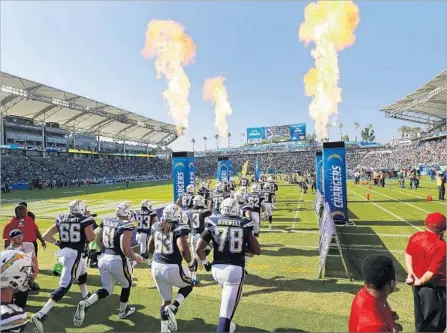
(370, 311)
(425, 258)
(17, 243)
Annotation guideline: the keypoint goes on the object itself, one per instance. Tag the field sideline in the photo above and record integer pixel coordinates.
(282, 291)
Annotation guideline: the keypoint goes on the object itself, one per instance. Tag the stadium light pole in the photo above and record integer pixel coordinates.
(204, 140)
(217, 140)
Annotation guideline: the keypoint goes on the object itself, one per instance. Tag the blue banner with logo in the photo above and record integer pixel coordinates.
(255, 134)
(224, 169)
(335, 192)
(319, 171)
(298, 132)
(257, 170)
(182, 173)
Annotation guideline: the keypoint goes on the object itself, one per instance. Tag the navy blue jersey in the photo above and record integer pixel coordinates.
(204, 192)
(196, 217)
(268, 196)
(112, 230)
(72, 230)
(186, 200)
(144, 218)
(255, 200)
(166, 249)
(244, 182)
(230, 236)
(217, 198)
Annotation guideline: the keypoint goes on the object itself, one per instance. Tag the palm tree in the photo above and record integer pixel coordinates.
(356, 125)
(229, 136)
(340, 125)
(193, 142)
(217, 140)
(204, 140)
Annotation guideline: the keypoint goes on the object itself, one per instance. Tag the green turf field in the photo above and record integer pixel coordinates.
(282, 291)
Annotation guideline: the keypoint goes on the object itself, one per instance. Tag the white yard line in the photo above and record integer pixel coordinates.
(297, 213)
(414, 195)
(391, 213)
(405, 203)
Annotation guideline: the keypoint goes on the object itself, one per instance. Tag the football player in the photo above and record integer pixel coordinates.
(185, 199)
(272, 183)
(169, 245)
(232, 185)
(244, 183)
(268, 195)
(17, 273)
(205, 192)
(231, 236)
(256, 201)
(75, 230)
(145, 217)
(115, 235)
(218, 195)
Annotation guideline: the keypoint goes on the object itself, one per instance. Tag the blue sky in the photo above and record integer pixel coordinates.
(93, 49)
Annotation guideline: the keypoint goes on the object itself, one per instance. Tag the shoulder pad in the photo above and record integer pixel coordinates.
(247, 223)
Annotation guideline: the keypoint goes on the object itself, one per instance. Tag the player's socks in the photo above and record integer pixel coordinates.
(92, 299)
(224, 325)
(47, 307)
(165, 326)
(123, 306)
(84, 290)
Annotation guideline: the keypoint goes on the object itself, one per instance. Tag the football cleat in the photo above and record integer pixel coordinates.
(169, 309)
(79, 316)
(37, 320)
(232, 327)
(127, 312)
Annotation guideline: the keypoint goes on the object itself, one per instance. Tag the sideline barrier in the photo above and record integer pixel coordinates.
(328, 239)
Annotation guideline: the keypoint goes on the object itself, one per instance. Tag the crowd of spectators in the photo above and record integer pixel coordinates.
(57, 172)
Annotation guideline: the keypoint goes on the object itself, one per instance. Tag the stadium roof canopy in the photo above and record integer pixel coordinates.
(44, 104)
(426, 105)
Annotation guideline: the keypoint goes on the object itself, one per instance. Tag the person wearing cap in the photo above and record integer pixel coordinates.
(16, 243)
(425, 259)
(370, 311)
(440, 182)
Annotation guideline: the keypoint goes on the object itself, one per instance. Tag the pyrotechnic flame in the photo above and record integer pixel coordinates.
(214, 90)
(173, 49)
(330, 25)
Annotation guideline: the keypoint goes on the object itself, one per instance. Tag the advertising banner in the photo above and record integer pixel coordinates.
(182, 172)
(319, 171)
(298, 132)
(277, 133)
(335, 192)
(255, 134)
(224, 168)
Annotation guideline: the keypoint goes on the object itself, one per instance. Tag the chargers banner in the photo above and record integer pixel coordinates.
(297, 132)
(224, 168)
(327, 231)
(255, 134)
(182, 172)
(334, 180)
(319, 171)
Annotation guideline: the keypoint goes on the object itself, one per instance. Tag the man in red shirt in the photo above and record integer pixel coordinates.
(425, 258)
(370, 311)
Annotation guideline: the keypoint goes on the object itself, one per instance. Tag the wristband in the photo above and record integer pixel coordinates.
(205, 262)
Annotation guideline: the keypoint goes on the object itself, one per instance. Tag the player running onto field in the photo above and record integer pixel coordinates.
(115, 235)
(256, 201)
(269, 196)
(146, 218)
(75, 230)
(169, 244)
(231, 236)
(219, 194)
(17, 273)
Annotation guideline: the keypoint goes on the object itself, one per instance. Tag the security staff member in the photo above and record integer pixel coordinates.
(425, 258)
(440, 182)
(370, 311)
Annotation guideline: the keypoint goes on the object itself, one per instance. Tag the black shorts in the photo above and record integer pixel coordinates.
(36, 248)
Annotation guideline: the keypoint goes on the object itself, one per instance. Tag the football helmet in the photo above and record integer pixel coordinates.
(198, 201)
(77, 207)
(171, 213)
(255, 188)
(229, 207)
(190, 188)
(146, 204)
(270, 179)
(123, 209)
(219, 187)
(17, 270)
(267, 187)
(204, 185)
(239, 196)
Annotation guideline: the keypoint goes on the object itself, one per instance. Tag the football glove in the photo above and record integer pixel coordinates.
(207, 265)
(58, 243)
